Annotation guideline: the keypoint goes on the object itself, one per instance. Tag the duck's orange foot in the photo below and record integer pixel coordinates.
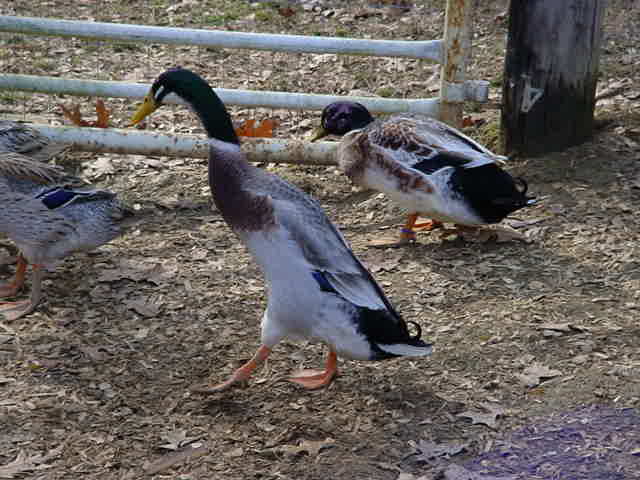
(313, 379)
(10, 289)
(16, 310)
(428, 226)
(241, 375)
(221, 387)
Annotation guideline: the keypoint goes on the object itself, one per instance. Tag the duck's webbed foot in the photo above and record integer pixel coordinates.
(15, 310)
(11, 288)
(241, 375)
(313, 379)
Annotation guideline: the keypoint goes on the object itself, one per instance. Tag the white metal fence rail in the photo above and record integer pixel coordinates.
(428, 50)
(135, 142)
(452, 52)
(246, 98)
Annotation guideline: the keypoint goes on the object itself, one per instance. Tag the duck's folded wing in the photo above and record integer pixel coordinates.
(326, 251)
(21, 167)
(23, 139)
(421, 137)
(445, 137)
(28, 221)
(400, 166)
(451, 159)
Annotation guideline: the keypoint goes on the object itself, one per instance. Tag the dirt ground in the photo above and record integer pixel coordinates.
(528, 336)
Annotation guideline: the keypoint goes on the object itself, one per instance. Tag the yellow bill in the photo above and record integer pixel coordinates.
(318, 133)
(148, 106)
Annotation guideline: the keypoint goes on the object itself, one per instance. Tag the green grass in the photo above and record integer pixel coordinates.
(11, 98)
(222, 13)
(386, 92)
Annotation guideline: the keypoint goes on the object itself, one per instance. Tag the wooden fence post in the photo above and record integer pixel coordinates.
(457, 50)
(550, 75)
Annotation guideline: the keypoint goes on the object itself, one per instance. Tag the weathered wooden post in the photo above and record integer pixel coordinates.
(457, 49)
(550, 76)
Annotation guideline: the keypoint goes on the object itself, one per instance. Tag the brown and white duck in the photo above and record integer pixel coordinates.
(424, 165)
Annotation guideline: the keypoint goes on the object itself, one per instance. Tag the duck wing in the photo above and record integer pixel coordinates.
(20, 167)
(450, 159)
(326, 251)
(20, 138)
(31, 223)
(418, 139)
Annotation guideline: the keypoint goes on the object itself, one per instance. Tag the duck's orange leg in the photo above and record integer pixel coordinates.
(407, 234)
(240, 375)
(428, 226)
(313, 379)
(13, 287)
(15, 310)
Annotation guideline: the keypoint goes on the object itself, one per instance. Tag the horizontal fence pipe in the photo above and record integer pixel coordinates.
(246, 98)
(136, 142)
(425, 50)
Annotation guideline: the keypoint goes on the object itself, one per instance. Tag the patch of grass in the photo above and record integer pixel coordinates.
(266, 15)
(45, 65)
(496, 82)
(11, 98)
(386, 92)
(127, 47)
(490, 136)
(226, 12)
(15, 39)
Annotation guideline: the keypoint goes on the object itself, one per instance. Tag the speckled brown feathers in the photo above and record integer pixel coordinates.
(21, 167)
(400, 135)
(357, 153)
(20, 138)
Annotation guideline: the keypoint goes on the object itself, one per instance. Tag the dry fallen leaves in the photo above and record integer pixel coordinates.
(248, 128)
(176, 439)
(100, 167)
(457, 472)
(533, 375)
(427, 450)
(312, 447)
(488, 418)
(24, 463)
(286, 11)
(74, 116)
(498, 233)
(185, 453)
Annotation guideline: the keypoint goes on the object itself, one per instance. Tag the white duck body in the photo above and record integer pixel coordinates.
(296, 307)
(317, 288)
(290, 243)
(413, 190)
(431, 169)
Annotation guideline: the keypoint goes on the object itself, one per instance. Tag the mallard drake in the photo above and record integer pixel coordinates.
(424, 165)
(20, 138)
(49, 215)
(317, 287)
